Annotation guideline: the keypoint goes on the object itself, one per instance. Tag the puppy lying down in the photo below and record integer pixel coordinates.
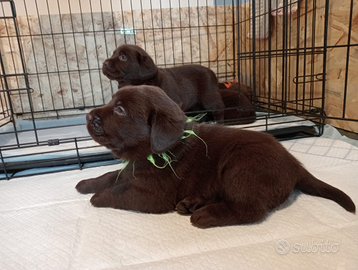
(188, 85)
(219, 175)
(239, 107)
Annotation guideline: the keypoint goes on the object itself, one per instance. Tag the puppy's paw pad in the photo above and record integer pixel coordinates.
(84, 187)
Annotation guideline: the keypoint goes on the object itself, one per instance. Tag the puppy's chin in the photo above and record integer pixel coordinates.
(111, 74)
(100, 138)
(118, 154)
(102, 141)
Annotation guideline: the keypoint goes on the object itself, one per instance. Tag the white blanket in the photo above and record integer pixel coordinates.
(46, 224)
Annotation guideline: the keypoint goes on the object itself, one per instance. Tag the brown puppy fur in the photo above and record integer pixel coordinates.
(238, 103)
(239, 107)
(187, 85)
(221, 175)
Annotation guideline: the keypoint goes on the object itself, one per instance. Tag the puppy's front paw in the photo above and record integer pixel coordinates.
(183, 208)
(102, 199)
(189, 205)
(202, 219)
(85, 187)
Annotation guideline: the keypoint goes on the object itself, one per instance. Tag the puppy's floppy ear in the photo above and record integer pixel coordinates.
(147, 68)
(167, 128)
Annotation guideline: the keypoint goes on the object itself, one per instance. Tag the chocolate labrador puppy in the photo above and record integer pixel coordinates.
(219, 175)
(187, 85)
(239, 105)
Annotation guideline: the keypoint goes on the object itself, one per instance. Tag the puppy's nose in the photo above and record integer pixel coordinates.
(90, 118)
(108, 63)
(94, 124)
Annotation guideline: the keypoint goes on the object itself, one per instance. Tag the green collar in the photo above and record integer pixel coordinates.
(187, 133)
(167, 158)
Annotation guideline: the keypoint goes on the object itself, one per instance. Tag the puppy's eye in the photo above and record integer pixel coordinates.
(120, 110)
(122, 57)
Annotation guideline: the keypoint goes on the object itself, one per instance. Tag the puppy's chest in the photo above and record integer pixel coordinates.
(199, 178)
(191, 160)
(197, 163)
(147, 171)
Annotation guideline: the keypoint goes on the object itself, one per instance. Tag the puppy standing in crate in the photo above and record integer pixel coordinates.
(219, 175)
(188, 85)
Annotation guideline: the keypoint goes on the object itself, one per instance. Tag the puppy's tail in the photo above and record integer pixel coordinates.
(313, 186)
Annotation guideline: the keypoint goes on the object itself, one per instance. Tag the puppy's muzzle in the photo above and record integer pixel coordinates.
(94, 124)
(108, 64)
(109, 69)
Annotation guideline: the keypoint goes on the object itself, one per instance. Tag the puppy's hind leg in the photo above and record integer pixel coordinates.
(226, 213)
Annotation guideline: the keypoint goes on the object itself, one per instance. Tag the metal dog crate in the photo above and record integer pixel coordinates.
(51, 52)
